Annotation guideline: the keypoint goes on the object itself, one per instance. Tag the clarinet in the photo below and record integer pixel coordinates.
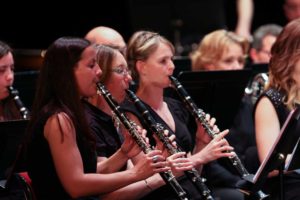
(168, 177)
(15, 95)
(199, 114)
(158, 129)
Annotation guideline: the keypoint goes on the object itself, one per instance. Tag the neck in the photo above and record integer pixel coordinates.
(153, 96)
(99, 102)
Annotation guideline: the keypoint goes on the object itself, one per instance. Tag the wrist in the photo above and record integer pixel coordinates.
(124, 154)
(198, 159)
(148, 185)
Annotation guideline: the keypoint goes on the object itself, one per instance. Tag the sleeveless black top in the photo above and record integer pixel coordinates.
(292, 180)
(41, 169)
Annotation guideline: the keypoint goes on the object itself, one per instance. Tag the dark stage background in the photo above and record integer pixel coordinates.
(35, 26)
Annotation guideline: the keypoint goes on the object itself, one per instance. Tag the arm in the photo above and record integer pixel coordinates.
(60, 134)
(113, 163)
(267, 127)
(245, 14)
(136, 190)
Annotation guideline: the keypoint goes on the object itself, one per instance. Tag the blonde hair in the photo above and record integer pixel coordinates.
(213, 45)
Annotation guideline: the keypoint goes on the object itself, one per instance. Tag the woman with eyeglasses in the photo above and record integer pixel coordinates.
(110, 133)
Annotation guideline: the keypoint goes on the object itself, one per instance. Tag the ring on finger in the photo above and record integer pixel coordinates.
(155, 158)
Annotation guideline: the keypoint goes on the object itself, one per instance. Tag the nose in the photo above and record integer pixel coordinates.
(9, 76)
(98, 71)
(128, 77)
(171, 66)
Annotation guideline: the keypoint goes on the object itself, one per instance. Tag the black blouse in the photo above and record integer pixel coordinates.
(108, 140)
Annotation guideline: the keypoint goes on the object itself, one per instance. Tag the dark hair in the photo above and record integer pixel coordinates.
(10, 111)
(4, 49)
(57, 89)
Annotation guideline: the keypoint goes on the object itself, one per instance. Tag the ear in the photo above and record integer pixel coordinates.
(140, 67)
(253, 54)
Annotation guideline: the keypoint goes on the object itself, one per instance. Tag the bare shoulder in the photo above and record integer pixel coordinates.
(266, 118)
(59, 124)
(265, 107)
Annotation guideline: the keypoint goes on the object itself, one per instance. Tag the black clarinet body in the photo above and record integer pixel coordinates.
(199, 114)
(19, 104)
(158, 129)
(168, 177)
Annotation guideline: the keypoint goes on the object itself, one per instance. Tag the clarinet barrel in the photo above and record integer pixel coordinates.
(19, 104)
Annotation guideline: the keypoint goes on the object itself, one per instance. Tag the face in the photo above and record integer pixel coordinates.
(119, 78)
(232, 59)
(263, 55)
(87, 73)
(6, 74)
(158, 67)
(296, 74)
(292, 9)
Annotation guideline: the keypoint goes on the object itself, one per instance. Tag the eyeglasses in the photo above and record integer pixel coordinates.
(121, 70)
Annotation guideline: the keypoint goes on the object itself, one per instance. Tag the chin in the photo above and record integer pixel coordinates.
(3, 96)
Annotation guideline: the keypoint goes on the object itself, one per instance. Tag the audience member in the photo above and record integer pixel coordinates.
(273, 107)
(58, 124)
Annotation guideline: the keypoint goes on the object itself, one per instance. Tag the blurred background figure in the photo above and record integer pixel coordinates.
(220, 50)
(263, 39)
(291, 9)
(106, 36)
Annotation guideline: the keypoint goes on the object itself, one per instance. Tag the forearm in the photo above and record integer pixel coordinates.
(113, 163)
(136, 190)
(245, 14)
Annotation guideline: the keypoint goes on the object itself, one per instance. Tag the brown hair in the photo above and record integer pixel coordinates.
(285, 54)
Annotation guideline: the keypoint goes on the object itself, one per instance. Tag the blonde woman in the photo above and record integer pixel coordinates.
(220, 50)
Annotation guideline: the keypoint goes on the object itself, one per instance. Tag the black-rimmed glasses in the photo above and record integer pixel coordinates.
(121, 70)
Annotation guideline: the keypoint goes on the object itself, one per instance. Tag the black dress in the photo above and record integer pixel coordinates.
(108, 140)
(41, 169)
(184, 138)
(292, 180)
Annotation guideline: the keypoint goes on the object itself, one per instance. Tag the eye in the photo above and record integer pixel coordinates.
(118, 70)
